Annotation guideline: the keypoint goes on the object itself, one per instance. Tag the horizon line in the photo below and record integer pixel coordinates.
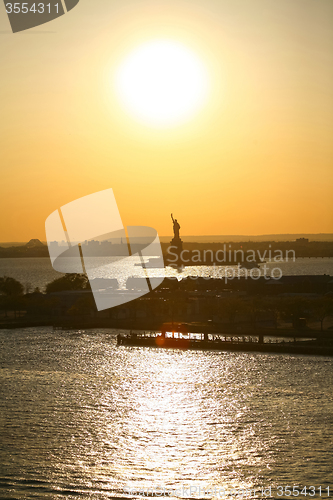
(210, 236)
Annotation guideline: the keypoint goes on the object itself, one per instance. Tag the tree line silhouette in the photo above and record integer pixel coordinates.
(172, 300)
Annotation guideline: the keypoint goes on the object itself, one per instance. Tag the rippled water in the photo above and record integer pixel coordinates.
(38, 272)
(81, 417)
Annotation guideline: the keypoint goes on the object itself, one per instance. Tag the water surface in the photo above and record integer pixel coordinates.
(38, 272)
(81, 417)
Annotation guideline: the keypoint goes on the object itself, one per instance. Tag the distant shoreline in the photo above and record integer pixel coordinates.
(216, 238)
(301, 247)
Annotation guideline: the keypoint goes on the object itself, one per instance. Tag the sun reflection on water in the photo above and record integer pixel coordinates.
(185, 424)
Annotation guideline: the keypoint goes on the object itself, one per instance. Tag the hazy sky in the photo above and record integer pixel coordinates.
(257, 158)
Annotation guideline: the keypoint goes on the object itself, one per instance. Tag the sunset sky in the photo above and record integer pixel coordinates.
(254, 157)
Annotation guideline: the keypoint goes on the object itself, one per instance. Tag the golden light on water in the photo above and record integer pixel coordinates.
(162, 83)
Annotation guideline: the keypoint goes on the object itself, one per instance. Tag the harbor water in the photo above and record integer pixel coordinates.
(83, 418)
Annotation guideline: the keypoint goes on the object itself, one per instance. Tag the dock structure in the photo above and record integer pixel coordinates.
(179, 338)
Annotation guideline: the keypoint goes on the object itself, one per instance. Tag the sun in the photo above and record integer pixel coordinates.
(162, 83)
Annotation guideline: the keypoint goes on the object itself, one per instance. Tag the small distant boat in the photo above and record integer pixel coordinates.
(249, 265)
(153, 263)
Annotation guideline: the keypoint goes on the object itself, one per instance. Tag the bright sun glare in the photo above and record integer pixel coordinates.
(162, 83)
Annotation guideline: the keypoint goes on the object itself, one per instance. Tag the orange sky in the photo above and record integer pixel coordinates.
(257, 159)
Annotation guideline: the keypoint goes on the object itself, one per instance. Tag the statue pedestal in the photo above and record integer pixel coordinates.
(177, 242)
(176, 247)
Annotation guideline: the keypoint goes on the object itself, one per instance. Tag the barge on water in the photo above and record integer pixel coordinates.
(170, 338)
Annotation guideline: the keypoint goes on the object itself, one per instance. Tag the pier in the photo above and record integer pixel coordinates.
(169, 338)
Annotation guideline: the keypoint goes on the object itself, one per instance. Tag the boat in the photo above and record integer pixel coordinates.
(153, 263)
(249, 265)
